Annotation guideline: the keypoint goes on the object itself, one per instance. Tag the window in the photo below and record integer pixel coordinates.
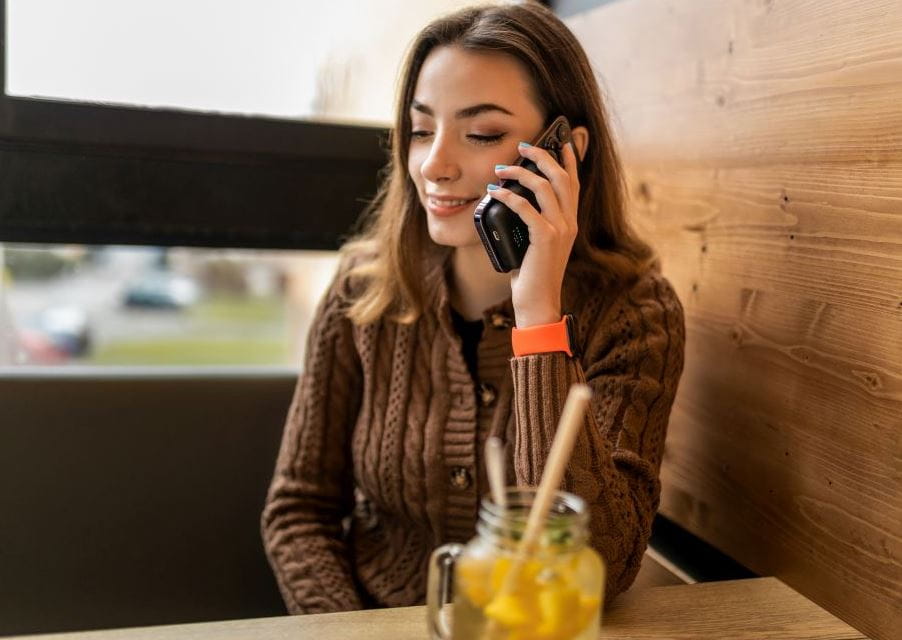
(257, 128)
(335, 60)
(113, 305)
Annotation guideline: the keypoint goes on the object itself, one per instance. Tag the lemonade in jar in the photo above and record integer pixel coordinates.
(490, 589)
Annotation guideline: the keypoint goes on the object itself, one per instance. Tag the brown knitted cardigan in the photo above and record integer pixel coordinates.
(381, 458)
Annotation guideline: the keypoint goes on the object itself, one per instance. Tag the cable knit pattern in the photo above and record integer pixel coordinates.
(381, 458)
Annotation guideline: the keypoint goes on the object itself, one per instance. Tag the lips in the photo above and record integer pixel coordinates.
(449, 202)
(448, 205)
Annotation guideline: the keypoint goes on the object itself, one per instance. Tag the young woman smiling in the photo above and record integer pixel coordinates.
(410, 364)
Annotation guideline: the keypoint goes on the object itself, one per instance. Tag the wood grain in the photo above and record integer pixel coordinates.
(748, 609)
(763, 145)
(756, 609)
(738, 82)
(382, 624)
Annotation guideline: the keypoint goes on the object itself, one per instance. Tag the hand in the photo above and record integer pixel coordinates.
(536, 285)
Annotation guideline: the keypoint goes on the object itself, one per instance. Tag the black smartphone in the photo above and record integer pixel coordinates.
(504, 235)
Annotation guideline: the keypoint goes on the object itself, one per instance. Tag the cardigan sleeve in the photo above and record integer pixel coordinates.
(632, 360)
(312, 487)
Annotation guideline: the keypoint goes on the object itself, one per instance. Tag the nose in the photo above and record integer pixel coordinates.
(441, 164)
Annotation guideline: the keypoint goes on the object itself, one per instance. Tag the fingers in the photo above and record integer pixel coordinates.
(539, 226)
(541, 188)
(561, 178)
(571, 166)
(557, 190)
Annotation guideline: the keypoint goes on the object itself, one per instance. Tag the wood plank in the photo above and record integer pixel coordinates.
(750, 81)
(763, 147)
(752, 609)
(755, 609)
(390, 624)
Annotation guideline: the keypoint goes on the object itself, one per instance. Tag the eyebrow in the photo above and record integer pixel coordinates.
(467, 112)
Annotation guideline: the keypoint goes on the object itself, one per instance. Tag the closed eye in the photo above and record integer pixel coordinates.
(485, 139)
(476, 138)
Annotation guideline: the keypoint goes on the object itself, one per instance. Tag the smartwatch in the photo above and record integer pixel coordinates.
(546, 338)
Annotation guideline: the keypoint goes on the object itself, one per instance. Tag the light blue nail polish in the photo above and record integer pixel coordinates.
(498, 167)
(525, 144)
(493, 187)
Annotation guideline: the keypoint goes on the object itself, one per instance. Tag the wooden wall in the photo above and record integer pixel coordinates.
(763, 142)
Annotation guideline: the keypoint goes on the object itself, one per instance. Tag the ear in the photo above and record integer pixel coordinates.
(580, 137)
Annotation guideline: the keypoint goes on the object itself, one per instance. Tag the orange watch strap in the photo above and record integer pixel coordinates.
(542, 338)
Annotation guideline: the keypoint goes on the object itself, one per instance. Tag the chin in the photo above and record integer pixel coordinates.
(458, 232)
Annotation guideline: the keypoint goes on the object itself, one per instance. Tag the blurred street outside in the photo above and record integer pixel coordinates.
(138, 305)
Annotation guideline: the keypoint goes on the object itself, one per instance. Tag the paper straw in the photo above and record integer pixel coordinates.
(494, 462)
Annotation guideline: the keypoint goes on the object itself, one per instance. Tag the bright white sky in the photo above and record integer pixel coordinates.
(235, 56)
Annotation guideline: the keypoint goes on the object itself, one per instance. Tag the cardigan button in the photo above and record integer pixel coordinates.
(460, 478)
(487, 394)
(501, 321)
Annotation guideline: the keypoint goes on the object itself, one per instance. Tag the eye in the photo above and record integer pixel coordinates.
(485, 139)
(419, 134)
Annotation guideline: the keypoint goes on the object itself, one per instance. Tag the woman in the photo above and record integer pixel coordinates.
(409, 364)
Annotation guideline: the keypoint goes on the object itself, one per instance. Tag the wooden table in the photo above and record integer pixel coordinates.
(748, 609)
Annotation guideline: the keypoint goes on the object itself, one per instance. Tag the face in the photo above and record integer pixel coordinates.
(469, 111)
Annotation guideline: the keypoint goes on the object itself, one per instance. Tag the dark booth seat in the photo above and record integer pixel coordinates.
(133, 497)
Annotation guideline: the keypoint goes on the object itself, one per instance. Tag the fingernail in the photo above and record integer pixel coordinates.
(493, 187)
(499, 167)
(525, 144)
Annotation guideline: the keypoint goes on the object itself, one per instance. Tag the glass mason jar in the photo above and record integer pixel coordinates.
(553, 593)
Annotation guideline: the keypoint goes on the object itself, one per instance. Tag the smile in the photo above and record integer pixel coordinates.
(448, 203)
(448, 207)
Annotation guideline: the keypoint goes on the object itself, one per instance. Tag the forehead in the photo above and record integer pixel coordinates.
(452, 78)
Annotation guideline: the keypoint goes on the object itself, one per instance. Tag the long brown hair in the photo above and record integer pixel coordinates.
(393, 254)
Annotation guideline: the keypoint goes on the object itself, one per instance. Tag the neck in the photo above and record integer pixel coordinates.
(475, 283)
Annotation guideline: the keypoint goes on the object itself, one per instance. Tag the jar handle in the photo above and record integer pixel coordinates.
(438, 589)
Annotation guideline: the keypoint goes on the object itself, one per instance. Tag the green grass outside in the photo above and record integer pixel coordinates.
(240, 311)
(192, 351)
(229, 319)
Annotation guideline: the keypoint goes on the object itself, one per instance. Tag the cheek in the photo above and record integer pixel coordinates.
(413, 166)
